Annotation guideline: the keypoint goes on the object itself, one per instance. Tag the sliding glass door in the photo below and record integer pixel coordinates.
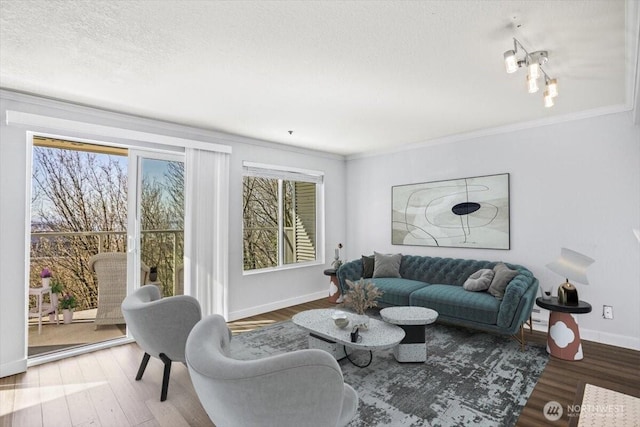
(155, 243)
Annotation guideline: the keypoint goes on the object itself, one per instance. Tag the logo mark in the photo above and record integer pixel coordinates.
(552, 410)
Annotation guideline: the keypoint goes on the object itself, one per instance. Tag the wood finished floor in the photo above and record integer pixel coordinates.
(98, 389)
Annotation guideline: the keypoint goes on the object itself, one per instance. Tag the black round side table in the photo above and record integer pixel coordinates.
(563, 337)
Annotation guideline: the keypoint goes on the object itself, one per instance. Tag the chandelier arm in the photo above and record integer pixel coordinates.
(517, 43)
(546, 76)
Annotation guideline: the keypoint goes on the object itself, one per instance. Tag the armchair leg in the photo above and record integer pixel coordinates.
(143, 366)
(165, 377)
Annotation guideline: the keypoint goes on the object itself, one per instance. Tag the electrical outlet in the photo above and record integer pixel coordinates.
(607, 312)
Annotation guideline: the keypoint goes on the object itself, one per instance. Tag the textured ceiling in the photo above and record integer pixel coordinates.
(346, 77)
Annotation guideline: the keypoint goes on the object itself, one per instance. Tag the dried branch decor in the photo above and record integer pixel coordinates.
(361, 295)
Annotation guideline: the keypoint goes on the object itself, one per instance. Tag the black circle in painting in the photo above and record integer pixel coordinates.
(465, 208)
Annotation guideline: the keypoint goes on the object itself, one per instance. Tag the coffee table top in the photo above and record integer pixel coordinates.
(409, 315)
(379, 336)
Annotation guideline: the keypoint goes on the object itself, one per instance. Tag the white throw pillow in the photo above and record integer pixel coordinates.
(480, 280)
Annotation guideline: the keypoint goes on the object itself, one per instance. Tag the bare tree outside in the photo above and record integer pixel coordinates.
(260, 227)
(262, 198)
(85, 192)
(76, 192)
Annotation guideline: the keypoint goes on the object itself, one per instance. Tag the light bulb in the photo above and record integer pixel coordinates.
(532, 84)
(510, 62)
(552, 87)
(548, 99)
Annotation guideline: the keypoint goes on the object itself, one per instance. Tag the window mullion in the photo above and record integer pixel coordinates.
(280, 224)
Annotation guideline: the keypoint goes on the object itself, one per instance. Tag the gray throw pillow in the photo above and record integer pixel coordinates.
(367, 266)
(480, 280)
(386, 265)
(501, 279)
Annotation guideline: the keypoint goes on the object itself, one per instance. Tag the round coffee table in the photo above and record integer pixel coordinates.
(413, 320)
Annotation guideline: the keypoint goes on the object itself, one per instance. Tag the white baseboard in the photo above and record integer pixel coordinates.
(624, 341)
(13, 368)
(597, 336)
(254, 311)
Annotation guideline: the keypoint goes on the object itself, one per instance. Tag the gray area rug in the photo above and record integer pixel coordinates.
(470, 377)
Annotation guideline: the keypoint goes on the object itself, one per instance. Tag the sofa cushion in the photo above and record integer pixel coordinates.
(396, 291)
(455, 301)
(501, 279)
(367, 266)
(386, 265)
(480, 280)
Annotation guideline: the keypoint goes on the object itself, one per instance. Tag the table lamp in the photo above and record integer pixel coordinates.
(572, 266)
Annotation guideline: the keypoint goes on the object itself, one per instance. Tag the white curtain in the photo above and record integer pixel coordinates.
(206, 237)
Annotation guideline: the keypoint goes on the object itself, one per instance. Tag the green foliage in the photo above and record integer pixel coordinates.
(56, 286)
(68, 302)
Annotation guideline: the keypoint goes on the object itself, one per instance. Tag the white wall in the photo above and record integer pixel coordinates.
(251, 294)
(575, 184)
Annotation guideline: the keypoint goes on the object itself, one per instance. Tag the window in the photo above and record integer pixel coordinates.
(279, 216)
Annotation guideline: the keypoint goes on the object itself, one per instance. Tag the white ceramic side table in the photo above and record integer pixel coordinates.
(413, 320)
(563, 337)
(42, 308)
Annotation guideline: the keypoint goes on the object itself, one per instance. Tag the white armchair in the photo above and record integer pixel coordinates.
(300, 388)
(160, 326)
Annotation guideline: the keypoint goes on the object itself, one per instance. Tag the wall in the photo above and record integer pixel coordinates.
(574, 184)
(249, 294)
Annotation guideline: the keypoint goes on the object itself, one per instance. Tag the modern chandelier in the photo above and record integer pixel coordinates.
(533, 61)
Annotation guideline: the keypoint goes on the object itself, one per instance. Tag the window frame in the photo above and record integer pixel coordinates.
(284, 173)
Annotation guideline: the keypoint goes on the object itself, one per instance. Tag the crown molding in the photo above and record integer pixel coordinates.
(158, 126)
(461, 137)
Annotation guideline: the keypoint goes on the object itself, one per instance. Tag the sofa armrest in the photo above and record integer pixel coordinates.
(351, 270)
(514, 293)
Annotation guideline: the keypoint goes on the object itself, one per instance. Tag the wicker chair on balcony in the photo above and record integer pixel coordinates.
(111, 271)
(178, 288)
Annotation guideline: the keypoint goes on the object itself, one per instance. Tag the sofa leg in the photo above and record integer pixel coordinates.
(520, 337)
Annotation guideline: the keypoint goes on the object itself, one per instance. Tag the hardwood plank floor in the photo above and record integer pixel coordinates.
(99, 389)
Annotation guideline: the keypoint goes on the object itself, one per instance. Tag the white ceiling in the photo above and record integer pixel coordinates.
(346, 77)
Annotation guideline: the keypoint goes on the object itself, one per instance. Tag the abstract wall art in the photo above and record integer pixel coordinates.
(461, 213)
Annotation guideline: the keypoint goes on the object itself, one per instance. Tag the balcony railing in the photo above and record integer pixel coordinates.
(67, 255)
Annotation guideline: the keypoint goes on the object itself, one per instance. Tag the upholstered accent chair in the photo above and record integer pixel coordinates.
(111, 271)
(300, 388)
(160, 326)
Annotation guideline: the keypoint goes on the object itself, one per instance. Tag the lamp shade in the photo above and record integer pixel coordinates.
(571, 265)
(510, 62)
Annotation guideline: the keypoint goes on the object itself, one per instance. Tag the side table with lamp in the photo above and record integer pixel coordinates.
(563, 337)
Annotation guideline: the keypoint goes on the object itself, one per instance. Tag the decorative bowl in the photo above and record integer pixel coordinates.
(340, 319)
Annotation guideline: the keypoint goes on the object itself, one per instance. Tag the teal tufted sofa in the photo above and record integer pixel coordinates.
(436, 283)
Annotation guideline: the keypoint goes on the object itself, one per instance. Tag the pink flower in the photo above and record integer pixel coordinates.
(45, 273)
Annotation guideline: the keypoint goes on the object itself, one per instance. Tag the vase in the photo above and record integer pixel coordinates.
(67, 315)
(45, 282)
(153, 274)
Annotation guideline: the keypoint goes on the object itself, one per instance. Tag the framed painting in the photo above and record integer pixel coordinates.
(459, 213)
